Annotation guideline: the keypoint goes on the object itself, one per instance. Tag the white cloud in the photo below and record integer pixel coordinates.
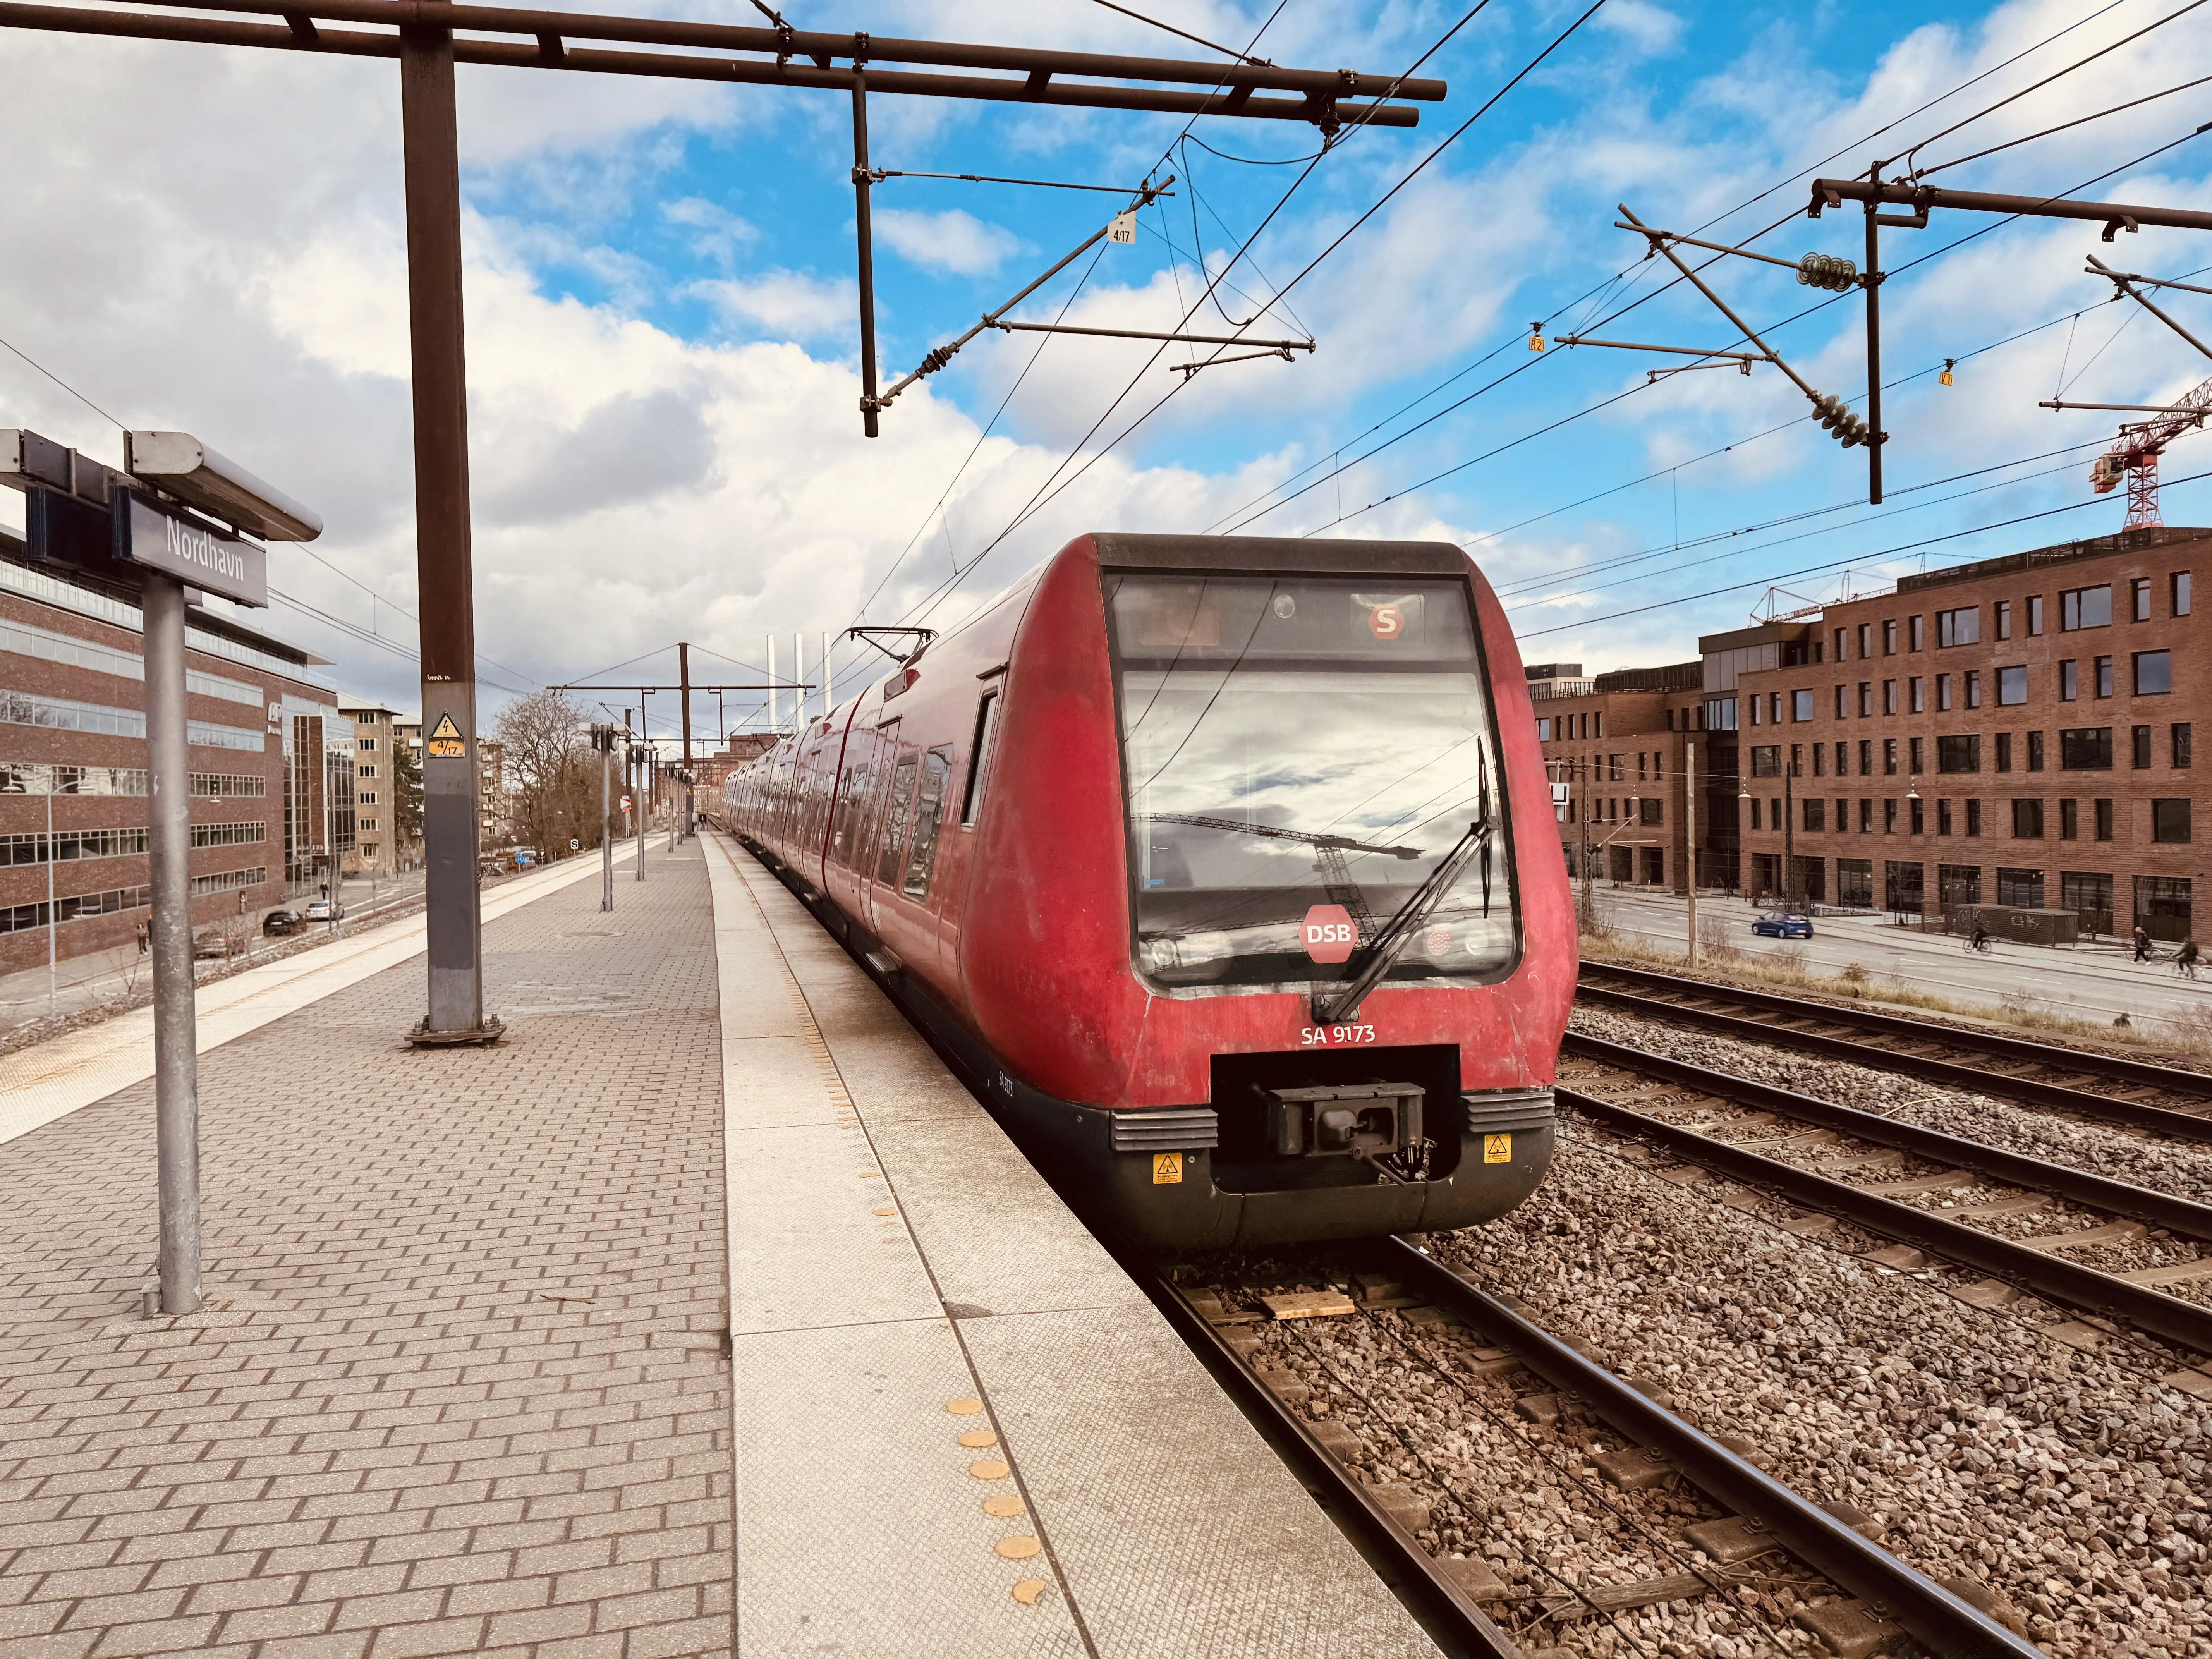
(1651, 29)
(951, 240)
(719, 234)
(787, 302)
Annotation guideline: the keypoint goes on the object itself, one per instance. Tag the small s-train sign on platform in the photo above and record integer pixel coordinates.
(182, 544)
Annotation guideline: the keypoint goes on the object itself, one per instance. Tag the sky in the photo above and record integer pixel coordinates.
(663, 340)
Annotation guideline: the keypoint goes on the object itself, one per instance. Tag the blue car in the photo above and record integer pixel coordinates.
(1781, 925)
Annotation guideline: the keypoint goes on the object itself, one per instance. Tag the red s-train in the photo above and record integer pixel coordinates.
(1224, 870)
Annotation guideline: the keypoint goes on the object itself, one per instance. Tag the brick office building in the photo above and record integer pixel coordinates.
(2016, 732)
(263, 737)
(1618, 741)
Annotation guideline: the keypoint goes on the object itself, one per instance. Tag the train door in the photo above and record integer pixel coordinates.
(901, 897)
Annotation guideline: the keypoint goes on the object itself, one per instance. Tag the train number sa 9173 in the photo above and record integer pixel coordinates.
(1331, 1036)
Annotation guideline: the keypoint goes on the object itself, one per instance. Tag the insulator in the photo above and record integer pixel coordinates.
(1827, 270)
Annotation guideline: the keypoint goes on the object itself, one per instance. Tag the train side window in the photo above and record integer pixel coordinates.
(928, 814)
(979, 756)
(894, 834)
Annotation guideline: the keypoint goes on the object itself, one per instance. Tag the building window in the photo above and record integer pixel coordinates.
(1839, 644)
(2180, 584)
(1904, 886)
(1840, 692)
(2069, 819)
(1801, 705)
(1943, 815)
(2104, 677)
(2139, 599)
(1543, 728)
(1959, 884)
(1974, 688)
(1866, 698)
(365, 796)
(17, 918)
(1648, 810)
(2028, 820)
(2162, 906)
(1889, 815)
(1842, 760)
(1889, 639)
(1865, 639)
(1866, 815)
(1889, 757)
(2089, 896)
(1889, 697)
(1866, 757)
(1973, 818)
(2034, 614)
(1919, 814)
(1855, 883)
(1720, 714)
(2169, 820)
(1943, 694)
(2004, 751)
(2179, 735)
(1960, 627)
(2012, 687)
(1919, 756)
(226, 835)
(1919, 634)
(227, 881)
(2085, 607)
(2069, 680)
(1766, 760)
(2035, 751)
(1958, 754)
(1816, 812)
(1754, 811)
(2104, 809)
(2023, 888)
(2154, 673)
(1919, 695)
(2086, 749)
(2004, 619)
(2140, 747)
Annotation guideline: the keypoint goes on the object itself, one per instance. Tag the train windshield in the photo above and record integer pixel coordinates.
(1302, 753)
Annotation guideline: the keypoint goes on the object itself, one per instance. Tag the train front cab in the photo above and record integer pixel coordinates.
(1269, 698)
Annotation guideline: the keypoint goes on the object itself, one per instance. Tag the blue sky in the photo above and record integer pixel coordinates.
(663, 351)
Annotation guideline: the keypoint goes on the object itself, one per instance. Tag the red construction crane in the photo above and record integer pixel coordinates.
(2134, 455)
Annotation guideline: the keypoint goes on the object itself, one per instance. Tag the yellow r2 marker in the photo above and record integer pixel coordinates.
(1167, 1169)
(1497, 1149)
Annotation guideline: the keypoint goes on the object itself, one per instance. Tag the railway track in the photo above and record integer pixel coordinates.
(1733, 1537)
(2021, 1220)
(2161, 1099)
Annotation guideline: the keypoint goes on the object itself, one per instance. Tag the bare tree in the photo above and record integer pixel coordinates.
(550, 765)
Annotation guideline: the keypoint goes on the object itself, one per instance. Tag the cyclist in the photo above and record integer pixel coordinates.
(2185, 959)
(1980, 940)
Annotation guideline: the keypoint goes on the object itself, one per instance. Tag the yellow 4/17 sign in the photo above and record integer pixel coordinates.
(445, 741)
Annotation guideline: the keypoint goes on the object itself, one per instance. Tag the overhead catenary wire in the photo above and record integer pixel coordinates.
(2078, 120)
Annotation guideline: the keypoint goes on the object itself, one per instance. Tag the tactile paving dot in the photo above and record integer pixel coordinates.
(1028, 1590)
(891, 1210)
(988, 1469)
(1005, 1506)
(963, 1407)
(1018, 1548)
(976, 1439)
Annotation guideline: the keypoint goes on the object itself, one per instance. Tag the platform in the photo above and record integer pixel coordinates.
(902, 1278)
(489, 1366)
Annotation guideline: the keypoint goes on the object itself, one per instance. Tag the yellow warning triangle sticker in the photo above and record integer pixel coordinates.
(446, 728)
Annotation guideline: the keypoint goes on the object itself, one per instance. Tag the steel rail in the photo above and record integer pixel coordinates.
(820, 47)
(2051, 1276)
(2185, 1125)
(551, 54)
(1928, 1611)
(2119, 1198)
(1457, 1623)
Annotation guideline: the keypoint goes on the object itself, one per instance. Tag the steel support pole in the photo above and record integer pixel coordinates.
(168, 847)
(453, 915)
(606, 823)
(1690, 832)
(638, 803)
(683, 676)
(1873, 281)
(861, 181)
(53, 915)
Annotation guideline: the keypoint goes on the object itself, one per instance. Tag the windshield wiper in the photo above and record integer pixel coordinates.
(1271, 832)
(1391, 939)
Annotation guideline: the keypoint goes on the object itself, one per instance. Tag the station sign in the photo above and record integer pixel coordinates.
(182, 544)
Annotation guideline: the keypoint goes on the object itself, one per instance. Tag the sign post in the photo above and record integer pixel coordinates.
(137, 529)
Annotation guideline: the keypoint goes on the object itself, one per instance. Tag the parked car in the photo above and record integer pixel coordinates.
(277, 923)
(1781, 925)
(322, 910)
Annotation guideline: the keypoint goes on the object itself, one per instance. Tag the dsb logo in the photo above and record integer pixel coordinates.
(1328, 933)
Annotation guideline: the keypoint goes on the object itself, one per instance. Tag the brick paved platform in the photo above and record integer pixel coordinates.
(460, 1387)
